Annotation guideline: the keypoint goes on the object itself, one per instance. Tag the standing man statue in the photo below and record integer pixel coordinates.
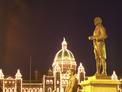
(98, 38)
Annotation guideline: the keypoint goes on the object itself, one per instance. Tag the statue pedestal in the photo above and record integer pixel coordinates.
(100, 84)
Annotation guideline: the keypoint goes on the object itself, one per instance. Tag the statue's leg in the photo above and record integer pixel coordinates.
(103, 58)
(103, 66)
(97, 71)
(98, 65)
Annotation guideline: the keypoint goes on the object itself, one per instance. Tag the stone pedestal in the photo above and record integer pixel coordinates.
(100, 84)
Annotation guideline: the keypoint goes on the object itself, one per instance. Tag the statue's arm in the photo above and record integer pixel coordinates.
(92, 37)
(100, 34)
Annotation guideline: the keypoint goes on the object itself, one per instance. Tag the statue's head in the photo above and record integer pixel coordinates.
(97, 20)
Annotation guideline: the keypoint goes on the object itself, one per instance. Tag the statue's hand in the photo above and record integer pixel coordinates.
(91, 38)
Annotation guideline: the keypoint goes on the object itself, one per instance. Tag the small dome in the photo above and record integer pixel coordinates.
(64, 53)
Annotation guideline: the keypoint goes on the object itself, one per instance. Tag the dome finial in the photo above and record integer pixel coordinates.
(64, 44)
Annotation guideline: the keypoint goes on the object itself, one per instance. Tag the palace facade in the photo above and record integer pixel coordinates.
(56, 79)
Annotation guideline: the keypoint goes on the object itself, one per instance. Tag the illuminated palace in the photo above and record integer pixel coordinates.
(56, 79)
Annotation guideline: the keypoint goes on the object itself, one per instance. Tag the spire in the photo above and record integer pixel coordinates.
(1, 74)
(64, 44)
(50, 73)
(81, 73)
(58, 69)
(81, 67)
(18, 74)
(114, 76)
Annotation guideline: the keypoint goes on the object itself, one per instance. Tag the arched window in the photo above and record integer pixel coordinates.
(37, 89)
(57, 90)
(1, 89)
(31, 90)
(47, 81)
(13, 90)
(34, 90)
(27, 90)
(9, 90)
(40, 89)
(49, 90)
(51, 81)
(5, 90)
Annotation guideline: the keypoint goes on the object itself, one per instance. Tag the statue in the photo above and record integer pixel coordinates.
(72, 82)
(98, 38)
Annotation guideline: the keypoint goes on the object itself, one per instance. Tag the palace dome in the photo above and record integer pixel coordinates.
(64, 56)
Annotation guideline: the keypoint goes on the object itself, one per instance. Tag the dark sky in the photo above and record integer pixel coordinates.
(36, 28)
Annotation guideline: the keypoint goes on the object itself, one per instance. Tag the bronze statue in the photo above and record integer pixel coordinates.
(98, 38)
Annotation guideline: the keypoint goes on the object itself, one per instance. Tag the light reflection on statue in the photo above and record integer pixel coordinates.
(99, 35)
(72, 82)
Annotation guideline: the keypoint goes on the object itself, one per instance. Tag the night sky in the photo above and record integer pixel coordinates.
(36, 28)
